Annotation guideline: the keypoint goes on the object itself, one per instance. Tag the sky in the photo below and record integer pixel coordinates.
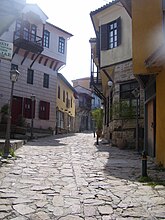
(73, 17)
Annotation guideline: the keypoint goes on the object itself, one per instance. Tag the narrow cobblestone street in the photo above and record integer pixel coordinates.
(70, 178)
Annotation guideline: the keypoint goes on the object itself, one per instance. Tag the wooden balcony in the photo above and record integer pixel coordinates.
(28, 41)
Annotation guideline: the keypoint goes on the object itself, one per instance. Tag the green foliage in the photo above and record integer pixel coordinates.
(123, 110)
(4, 109)
(97, 115)
(4, 112)
(151, 182)
(12, 153)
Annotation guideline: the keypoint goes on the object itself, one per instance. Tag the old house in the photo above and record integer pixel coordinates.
(112, 75)
(39, 50)
(65, 108)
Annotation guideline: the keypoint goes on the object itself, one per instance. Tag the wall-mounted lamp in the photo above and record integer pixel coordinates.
(110, 83)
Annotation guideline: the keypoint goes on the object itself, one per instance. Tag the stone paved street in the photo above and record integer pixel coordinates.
(70, 178)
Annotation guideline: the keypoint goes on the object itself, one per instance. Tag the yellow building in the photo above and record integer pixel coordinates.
(65, 107)
(149, 67)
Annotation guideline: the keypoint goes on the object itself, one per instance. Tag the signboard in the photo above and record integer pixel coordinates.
(6, 50)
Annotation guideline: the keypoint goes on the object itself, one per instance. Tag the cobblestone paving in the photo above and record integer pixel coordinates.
(70, 178)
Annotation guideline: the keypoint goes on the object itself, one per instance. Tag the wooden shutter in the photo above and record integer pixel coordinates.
(47, 110)
(104, 37)
(118, 31)
(97, 45)
(44, 109)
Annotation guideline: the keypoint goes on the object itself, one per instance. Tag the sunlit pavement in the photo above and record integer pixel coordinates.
(70, 178)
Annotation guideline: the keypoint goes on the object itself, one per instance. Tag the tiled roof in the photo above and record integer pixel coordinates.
(66, 82)
(104, 7)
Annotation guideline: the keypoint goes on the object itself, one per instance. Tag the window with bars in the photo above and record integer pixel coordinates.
(127, 99)
(61, 45)
(30, 76)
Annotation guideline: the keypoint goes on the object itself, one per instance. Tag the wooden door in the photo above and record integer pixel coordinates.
(151, 122)
(16, 111)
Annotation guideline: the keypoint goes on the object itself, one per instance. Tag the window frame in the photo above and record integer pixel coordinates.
(46, 80)
(63, 95)
(33, 32)
(46, 40)
(111, 34)
(30, 76)
(127, 97)
(61, 45)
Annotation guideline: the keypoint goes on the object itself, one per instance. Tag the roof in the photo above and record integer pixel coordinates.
(84, 78)
(104, 7)
(59, 29)
(66, 82)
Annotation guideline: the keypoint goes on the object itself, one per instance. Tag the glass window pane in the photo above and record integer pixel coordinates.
(111, 45)
(111, 40)
(115, 25)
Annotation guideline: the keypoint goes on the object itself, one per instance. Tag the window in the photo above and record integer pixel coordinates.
(60, 119)
(46, 81)
(27, 110)
(17, 29)
(71, 102)
(14, 67)
(46, 38)
(61, 45)
(33, 32)
(127, 99)
(30, 75)
(59, 92)
(26, 28)
(63, 95)
(111, 35)
(44, 109)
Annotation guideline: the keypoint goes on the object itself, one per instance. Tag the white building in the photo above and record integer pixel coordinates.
(40, 50)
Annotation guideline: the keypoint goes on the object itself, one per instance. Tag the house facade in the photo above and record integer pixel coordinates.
(83, 109)
(87, 100)
(148, 66)
(65, 110)
(40, 50)
(112, 75)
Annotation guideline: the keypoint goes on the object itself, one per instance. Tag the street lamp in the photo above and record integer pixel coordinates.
(14, 74)
(136, 93)
(32, 116)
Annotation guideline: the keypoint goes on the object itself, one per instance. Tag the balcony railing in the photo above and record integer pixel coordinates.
(28, 41)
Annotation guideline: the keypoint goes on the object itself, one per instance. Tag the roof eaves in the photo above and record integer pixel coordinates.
(104, 7)
(60, 29)
(66, 82)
